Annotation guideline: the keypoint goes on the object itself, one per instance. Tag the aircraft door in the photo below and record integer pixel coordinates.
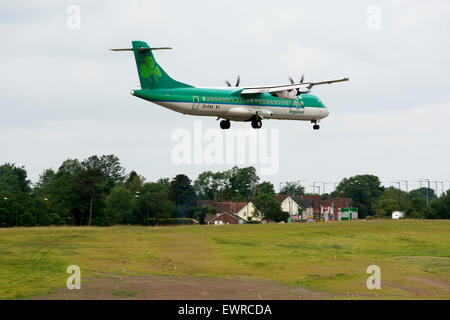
(295, 106)
(195, 103)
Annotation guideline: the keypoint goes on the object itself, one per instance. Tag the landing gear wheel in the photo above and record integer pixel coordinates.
(225, 124)
(256, 124)
(316, 127)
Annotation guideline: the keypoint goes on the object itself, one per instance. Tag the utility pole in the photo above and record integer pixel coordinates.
(406, 185)
(428, 191)
(314, 186)
(324, 184)
(436, 186)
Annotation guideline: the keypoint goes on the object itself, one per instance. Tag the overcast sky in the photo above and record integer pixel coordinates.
(65, 95)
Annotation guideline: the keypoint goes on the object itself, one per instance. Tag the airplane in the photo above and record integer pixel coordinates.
(252, 104)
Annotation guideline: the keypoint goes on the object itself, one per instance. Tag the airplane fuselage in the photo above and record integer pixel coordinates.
(227, 103)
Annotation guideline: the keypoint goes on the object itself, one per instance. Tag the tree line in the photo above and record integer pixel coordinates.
(98, 191)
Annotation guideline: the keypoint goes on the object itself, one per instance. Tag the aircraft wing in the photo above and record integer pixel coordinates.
(308, 85)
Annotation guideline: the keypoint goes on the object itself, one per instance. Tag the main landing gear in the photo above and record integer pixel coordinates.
(315, 126)
(225, 124)
(256, 123)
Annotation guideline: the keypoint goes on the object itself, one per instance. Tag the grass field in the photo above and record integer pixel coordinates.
(414, 256)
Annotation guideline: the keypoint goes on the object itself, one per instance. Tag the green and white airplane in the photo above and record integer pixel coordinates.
(253, 104)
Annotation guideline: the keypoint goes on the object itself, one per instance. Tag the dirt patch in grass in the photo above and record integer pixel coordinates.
(183, 288)
(443, 285)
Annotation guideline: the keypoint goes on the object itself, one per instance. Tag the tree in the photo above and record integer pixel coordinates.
(116, 204)
(441, 207)
(292, 189)
(389, 201)
(417, 208)
(385, 207)
(165, 182)
(210, 185)
(265, 187)
(270, 207)
(98, 176)
(70, 166)
(181, 192)
(91, 181)
(153, 202)
(13, 179)
(364, 191)
(63, 194)
(422, 193)
(109, 166)
(134, 181)
(204, 186)
(45, 180)
(243, 182)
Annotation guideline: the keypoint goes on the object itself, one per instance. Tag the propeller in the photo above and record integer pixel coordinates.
(301, 81)
(237, 82)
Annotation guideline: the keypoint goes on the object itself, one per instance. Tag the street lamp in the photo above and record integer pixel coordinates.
(17, 210)
(136, 195)
(35, 209)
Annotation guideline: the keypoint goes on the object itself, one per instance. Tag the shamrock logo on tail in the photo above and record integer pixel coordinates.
(149, 68)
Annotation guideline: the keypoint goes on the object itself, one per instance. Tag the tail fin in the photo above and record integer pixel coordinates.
(151, 75)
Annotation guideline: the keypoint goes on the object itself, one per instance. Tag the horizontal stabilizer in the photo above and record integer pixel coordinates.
(142, 49)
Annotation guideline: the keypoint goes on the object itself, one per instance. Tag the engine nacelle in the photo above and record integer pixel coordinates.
(286, 94)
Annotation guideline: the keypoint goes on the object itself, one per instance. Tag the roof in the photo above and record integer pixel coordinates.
(218, 215)
(229, 206)
(280, 197)
(209, 217)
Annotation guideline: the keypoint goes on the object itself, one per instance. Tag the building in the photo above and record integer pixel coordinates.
(223, 218)
(331, 208)
(244, 210)
(299, 209)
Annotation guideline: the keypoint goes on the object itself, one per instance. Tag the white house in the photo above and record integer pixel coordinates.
(244, 210)
(298, 208)
(249, 211)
